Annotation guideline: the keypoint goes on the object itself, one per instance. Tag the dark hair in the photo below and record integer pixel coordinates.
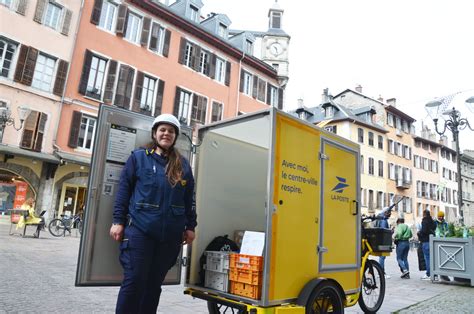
(426, 213)
(400, 220)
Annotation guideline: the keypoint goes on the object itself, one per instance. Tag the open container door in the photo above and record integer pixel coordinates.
(118, 133)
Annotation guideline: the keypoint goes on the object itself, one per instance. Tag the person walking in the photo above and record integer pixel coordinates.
(382, 222)
(153, 216)
(402, 236)
(428, 227)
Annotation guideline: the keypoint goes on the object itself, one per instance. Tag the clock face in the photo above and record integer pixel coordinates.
(276, 49)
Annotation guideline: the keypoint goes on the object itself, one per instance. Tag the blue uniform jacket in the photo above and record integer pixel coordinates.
(153, 204)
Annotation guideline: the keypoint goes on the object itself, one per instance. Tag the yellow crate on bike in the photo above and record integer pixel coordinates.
(380, 239)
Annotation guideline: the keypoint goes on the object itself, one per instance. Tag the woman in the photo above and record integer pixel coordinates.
(153, 215)
(31, 218)
(402, 236)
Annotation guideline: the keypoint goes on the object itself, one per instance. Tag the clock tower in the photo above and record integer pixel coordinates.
(275, 44)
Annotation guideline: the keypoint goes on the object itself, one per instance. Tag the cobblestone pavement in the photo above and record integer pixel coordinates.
(37, 276)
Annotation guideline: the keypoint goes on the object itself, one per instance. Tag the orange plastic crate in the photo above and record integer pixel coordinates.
(249, 262)
(245, 276)
(246, 290)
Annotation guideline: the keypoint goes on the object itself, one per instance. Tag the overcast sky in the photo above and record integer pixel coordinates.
(411, 50)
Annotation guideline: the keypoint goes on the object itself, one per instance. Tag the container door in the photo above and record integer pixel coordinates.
(119, 133)
(339, 245)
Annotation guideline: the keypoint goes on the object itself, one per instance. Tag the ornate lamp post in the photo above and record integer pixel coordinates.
(6, 119)
(454, 123)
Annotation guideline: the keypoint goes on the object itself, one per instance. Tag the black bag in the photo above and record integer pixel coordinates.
(220, 243)
(421, 258)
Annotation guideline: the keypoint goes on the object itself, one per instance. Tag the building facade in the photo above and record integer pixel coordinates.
(448, 182)
(35, 55)
(467, 176)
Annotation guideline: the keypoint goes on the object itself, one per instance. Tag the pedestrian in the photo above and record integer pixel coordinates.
(382, 222)
(153, 216)
(441, 231)
(402, 237)
(428, 227)
(30, 217)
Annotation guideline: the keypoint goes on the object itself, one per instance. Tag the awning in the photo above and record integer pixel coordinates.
(74, 159)
(16, 151)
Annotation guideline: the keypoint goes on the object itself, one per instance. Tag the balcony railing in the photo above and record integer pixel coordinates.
(403, 184)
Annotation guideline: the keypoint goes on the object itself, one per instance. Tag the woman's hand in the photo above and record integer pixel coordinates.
(188, 236)
(116, 232)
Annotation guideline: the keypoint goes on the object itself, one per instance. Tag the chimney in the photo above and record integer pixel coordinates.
(300, 103)
(443, 140)
(380, 98)
(325, 96)
(392, 102)
(359, 88)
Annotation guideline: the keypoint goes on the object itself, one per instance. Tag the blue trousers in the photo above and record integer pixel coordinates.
(145, 262)
(382, 262)
(402, 255)
(425, 246)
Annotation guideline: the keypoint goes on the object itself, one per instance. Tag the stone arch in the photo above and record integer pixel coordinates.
(27, 173)
(59, 184)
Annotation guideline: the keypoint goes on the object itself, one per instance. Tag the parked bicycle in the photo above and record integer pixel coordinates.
(58, 226)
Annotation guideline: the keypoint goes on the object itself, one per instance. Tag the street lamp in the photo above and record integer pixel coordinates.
(454, 123)
(6, 119)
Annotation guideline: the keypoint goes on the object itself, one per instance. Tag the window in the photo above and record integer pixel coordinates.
(157, 38)
(361, 163)
(188, 56)
(380, 199)
(398, 123)
(222, 30)
(272, 97)
(204, 62)
(360, 133)
(261, 89)
(275, 21)
(220, 70)
(331, 128)
(108, 14)
(217, 110)
(194, 13)
(380, 137)
(247, 84)
(44, 71)
(329, 112)
(148, 92)
(199, 109)
(371, 166)
(371, 139)
(248, 47)
(96, 77)
(380, 168)
(184, 106)
(390, 146)
(390, 119)
(7, 52)
(52, 15)
(86, 132)
(391, 171)
(405, 126)
(133, 27)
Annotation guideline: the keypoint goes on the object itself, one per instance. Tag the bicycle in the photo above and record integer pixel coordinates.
(58, 226)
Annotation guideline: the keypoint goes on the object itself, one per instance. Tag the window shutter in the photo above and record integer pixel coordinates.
(75, 128)
(269, 87)
(280, 98)
(145, 31)
(211, 69)
(20, 65)
(61, 75)
(22, 5)
(30, 64)
(166, 44)
(138, 92)
(38, 143)
(227, 73)
(176, 102)
(182, 50)
(196, 58)
(255, 86)
(96, 10)
(159, 97)
(40, 6)
(86, 68)
(124, 87)
(66, 22)
(121, 20)
(242, 75)
(29, 130)
(110, 83)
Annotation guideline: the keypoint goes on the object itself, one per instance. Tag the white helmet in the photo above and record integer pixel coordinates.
(168, 119)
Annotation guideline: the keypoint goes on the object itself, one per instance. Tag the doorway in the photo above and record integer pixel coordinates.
(72, 200)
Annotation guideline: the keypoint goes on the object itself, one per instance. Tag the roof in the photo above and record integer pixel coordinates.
(399, 113)
(357, 93)
(17, 151)
(200, 32)
(73, 158)
(416, 137)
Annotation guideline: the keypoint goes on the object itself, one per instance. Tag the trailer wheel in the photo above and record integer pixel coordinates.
(325, 298)
(372, 287)
(216, 308)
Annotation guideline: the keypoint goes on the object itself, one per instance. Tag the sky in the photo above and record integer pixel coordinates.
(411, 50)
